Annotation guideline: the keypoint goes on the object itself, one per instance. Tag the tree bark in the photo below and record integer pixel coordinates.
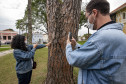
(29, 23)
(62, 18)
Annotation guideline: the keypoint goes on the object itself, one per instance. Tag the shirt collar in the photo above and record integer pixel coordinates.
(111, 22)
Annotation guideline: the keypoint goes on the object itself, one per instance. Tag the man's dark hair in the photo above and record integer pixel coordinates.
(102, 6)
(18, 42)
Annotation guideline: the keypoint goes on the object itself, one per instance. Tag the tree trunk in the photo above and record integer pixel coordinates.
(62, 18)
(29, 23)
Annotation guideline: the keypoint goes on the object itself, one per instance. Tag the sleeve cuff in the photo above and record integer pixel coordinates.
(34, 49)
(77, 46)
(68, 45)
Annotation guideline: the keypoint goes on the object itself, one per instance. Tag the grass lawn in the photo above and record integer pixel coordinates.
(8, 73)
(5, 45)
(4, 49)
(81, 42)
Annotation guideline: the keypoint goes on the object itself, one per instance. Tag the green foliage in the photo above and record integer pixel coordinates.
(20, 24)
(82, 19)
(87, 36)
(25, 34)
(39, 17)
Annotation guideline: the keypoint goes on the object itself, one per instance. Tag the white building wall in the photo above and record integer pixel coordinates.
(45, 38)
(37, 38)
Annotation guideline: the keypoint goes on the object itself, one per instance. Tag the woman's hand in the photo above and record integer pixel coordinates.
(48, 44)
(35, 45)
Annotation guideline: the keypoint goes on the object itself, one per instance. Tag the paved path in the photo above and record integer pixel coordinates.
(4, 47)
(3, 53)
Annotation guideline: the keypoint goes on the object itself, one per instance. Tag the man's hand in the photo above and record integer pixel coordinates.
(68, 40)
(73, 41)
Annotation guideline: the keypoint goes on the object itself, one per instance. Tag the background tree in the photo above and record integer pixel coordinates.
(39, 18)
(29, 22)
(63, 16)
(20, 25)
(36, 13)
(39, 15)
(82, 19)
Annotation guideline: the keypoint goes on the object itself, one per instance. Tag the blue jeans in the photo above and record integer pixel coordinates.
(24, 78)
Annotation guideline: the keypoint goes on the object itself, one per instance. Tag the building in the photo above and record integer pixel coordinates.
(119, 15)
(39, 38)
(45, 38)
(7, 35)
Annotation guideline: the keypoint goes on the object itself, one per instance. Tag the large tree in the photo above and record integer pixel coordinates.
(63, 16)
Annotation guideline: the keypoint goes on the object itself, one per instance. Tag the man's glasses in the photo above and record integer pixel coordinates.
(88, 15)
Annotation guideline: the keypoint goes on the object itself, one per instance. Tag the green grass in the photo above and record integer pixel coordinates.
(7, 70)
(5, 46)
(39, 74)
(8, 73)
(81, 42)
(4, 49)
(75, 74)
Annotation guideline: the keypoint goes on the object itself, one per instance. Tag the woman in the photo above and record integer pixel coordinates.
(24, 56)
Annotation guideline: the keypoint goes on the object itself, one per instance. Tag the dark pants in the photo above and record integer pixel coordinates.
(24, 78)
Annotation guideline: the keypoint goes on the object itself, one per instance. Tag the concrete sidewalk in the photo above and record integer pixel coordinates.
(3, 53)
(4, 47)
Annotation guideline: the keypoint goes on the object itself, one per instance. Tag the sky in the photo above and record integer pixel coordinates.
(12, 10)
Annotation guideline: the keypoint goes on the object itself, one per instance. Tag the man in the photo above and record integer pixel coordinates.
(102, 59)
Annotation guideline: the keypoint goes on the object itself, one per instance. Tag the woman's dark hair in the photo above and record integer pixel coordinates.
(102, 6)
(18, 42)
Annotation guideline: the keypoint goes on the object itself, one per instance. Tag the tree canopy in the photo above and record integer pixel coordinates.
(39, 17)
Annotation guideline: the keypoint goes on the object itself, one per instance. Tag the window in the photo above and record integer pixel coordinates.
(4, 37)
(124, 15)
(9, 37)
